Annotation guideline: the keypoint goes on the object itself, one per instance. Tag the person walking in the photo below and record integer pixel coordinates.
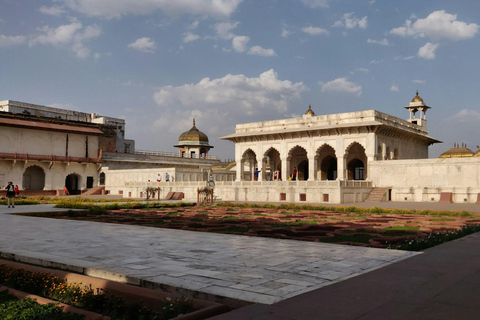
(10, 194)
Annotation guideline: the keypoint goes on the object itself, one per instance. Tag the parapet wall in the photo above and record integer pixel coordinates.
(426, 179)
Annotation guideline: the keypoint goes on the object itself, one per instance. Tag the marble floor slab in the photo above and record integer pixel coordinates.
(254, 269)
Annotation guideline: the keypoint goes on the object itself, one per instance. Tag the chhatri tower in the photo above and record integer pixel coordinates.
(193, 143)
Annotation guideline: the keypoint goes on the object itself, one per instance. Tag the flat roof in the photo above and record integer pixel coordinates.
(48, 126)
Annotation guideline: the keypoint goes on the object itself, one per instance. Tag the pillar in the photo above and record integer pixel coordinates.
(311, 168)
(341, 169)
(285, 166)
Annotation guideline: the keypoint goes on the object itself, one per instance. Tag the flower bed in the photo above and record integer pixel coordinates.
(11, 307)
(90, 294)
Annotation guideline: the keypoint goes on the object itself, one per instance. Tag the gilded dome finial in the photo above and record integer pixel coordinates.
(193, 121)
(310, 111)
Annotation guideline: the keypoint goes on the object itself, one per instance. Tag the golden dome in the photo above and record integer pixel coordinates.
(417, 98)
(310, 111)
(193, 135)
(458, 152)
(477, 154)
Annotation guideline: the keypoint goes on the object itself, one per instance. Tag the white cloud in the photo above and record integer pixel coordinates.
(466, 115)
(189, 37)
(144, 44)
(53, 10)
(409, 58)
(314, 31)
(224, 29)
(108, 9)
(57, 36)
(239, 43)
(351, 22)
(315, 3)
(428, 51)
(394, 88)
(259, 51)
(285, 32)
(419, 81)
(342, 85)
(233, 93)
(383, 42)
(194, 25)
(438, 25)
(7, 41)
(72, 35)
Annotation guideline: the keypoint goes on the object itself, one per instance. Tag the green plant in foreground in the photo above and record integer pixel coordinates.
(29, 309)
(84, 297)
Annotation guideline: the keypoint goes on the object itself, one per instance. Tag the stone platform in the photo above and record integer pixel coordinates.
(231, 269)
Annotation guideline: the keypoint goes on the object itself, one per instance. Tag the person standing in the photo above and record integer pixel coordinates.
(294, 174)
(167, 177)
(17, 191)
(10, 194)
(159, 178)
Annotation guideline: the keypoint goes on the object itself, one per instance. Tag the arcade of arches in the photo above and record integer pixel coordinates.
(325, 164)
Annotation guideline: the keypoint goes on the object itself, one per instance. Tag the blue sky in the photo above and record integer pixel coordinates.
(160, 63)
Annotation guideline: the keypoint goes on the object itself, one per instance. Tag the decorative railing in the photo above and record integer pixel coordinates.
(172, 154)
(301, 183)
(39, 157)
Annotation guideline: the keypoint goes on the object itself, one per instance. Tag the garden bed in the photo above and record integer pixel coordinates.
(33, 278)
(374, 227)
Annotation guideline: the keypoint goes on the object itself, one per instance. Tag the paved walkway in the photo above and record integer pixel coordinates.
(261, 270)
(441, 283)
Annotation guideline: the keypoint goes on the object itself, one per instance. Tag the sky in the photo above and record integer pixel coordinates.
(160, 63)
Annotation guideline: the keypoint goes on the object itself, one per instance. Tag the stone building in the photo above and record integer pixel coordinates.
(44, 154)
(328, 147)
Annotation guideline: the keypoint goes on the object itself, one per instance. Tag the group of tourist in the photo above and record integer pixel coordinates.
(276, 175)
(167, 177)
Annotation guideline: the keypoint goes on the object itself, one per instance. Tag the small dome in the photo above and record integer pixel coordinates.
(477, 154)
(193, 135)
(417, 98)
(458, 152)
(310, 111)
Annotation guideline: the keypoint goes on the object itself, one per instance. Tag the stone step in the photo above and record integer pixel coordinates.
(376, 195)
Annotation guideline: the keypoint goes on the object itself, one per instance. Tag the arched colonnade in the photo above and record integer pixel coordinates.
(325, 164)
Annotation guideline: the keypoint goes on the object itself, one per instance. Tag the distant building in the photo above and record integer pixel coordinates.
(339, 158)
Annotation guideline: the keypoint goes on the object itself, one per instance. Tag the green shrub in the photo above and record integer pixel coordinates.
(78, 295)
(434, 239)
(29, 309)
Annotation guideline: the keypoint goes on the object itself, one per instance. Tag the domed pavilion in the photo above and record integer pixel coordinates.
(193, 143)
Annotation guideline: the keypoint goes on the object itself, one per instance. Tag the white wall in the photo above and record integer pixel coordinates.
(42, 142)
(425, 179)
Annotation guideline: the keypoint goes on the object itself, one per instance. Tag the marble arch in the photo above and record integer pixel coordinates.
(326, 163)
(298, 159)
(356, 160)
(248, 164)
(271, 158)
